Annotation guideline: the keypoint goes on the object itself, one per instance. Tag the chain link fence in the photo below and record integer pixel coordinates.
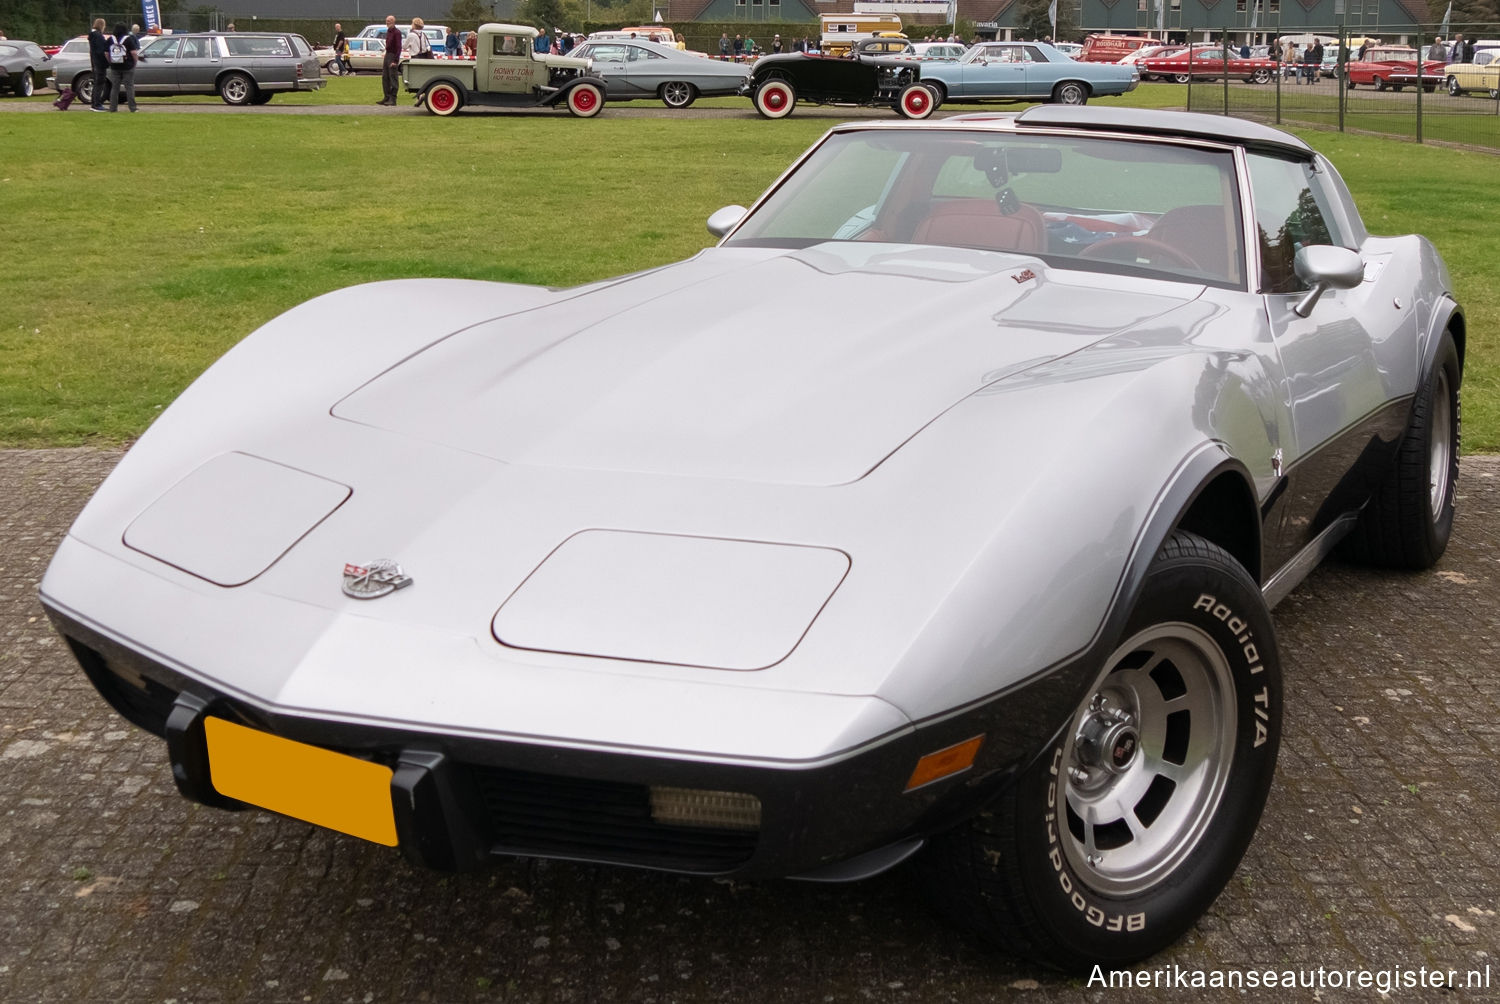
(1390, 91)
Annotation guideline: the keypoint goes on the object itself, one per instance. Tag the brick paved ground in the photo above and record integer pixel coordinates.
(1378, 849)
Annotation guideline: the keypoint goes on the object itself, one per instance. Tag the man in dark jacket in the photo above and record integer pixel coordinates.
(99, 63)
(390, 64)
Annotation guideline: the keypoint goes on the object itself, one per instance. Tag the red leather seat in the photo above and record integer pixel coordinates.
(979, 223)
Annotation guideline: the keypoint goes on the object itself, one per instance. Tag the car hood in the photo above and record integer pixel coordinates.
(806, 366)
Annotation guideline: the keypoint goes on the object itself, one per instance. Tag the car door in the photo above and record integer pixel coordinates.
(642, 74)
(1348, 364)
(198, 63)
(993, 71)
(156, 72)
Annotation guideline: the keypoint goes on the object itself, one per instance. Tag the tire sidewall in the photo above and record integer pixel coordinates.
(775, 84)
(1099, 927)
(1440, 525)
(592, 107)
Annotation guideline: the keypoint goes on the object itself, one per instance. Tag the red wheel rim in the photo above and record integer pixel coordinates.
(775, 99)
(583, 99)
(916, 103)
(442, 99)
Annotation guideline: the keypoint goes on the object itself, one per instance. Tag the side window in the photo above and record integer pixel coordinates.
(1290, 213)
(162, 48)
(195, 48)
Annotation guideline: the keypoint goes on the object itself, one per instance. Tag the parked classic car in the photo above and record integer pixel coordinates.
(21, 64)
(778, 82)
(1482, 75)
(950, 52)
(245, 68)
(984, 578)
(1207, 62)
(638, 69)
(1026, 71)
(506, 72)
(366, 53)
(1393, 66)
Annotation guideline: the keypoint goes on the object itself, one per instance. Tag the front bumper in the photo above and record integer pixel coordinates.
(459, 800)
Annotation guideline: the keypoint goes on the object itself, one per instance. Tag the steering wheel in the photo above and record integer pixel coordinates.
(1135, 250)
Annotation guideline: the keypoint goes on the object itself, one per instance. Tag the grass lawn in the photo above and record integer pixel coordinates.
(143, 246)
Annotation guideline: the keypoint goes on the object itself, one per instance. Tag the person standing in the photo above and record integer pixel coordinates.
(724, 45)
(390, 64)
(418, 45)
(341, 48)
(123, 48)
(450, 44)
(776, 44)
(99, 63)
(543, 44)
(739, 48)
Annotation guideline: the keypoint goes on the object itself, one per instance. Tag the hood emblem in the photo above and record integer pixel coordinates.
(374, 580)
(1025, 276)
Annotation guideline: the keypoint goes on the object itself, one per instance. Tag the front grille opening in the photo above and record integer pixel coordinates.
(613, 821)
(140, 700)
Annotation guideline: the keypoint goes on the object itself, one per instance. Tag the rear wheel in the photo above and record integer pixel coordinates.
(83, 88)
(915, 102)
(1379, 83)
(1409, 520)
(443, 99)
(585, 100)
(334, 68)
(1261, 76)
(775, 99)
(1182, 78)
(1070, 92)
(236, 89)
(1112, 843)
(678, 94)
(27, 86)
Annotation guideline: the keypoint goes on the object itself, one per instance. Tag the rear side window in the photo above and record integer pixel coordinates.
(249, 45)
(1291, 212)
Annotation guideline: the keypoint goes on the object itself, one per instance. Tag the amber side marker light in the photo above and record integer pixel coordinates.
(945, 763)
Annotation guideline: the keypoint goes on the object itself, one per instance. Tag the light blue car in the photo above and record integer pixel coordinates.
(1025, 71)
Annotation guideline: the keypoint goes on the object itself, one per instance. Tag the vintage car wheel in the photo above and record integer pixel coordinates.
(1070, 92)
(27, 86)
(678, 94)
(915, 102)
(83, 87)
(775, 99)
(1453, 87)
(1113, 842)
(1261, 76)
(585, 100)
(1409, 520)
(1131, 249)
(938, 95)
(443, 99)
(1182, 78)
(236, 89)
(1495, 93)
(334, 68)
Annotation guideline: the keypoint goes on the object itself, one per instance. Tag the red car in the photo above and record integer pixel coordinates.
(1207, 63)
(1393, 66)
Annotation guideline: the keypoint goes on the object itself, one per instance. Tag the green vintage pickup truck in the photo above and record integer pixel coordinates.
(505, 72)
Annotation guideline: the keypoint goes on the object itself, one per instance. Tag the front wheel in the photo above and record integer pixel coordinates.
(915, 102)
(236, 89)
(678, 94)
(1409, 520)
(83, 88)
(443, 99)
(585, 100)
(1182, 78)
(1070, 92)
(775, 99)
(1122, 833)
(1261, 76)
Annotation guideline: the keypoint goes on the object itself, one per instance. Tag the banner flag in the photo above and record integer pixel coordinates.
(151, 17)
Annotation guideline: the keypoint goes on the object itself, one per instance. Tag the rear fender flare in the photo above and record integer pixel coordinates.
(458, 85)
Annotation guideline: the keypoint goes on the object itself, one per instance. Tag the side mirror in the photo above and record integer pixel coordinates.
(726, 219)
(1324, 267)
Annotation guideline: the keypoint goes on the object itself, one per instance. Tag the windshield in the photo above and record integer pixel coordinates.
(1158, 208)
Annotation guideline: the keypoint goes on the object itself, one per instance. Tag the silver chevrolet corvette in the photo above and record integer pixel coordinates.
(961, 553)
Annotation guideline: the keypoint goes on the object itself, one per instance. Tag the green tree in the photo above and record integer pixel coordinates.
(1032, 20)
(468, 12)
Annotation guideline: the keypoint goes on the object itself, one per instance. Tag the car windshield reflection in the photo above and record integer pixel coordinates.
(1096, 204)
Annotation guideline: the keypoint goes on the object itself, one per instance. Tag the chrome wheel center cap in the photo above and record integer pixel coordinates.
(1108, 743)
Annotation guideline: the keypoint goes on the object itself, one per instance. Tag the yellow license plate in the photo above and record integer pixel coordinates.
(315, 785)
